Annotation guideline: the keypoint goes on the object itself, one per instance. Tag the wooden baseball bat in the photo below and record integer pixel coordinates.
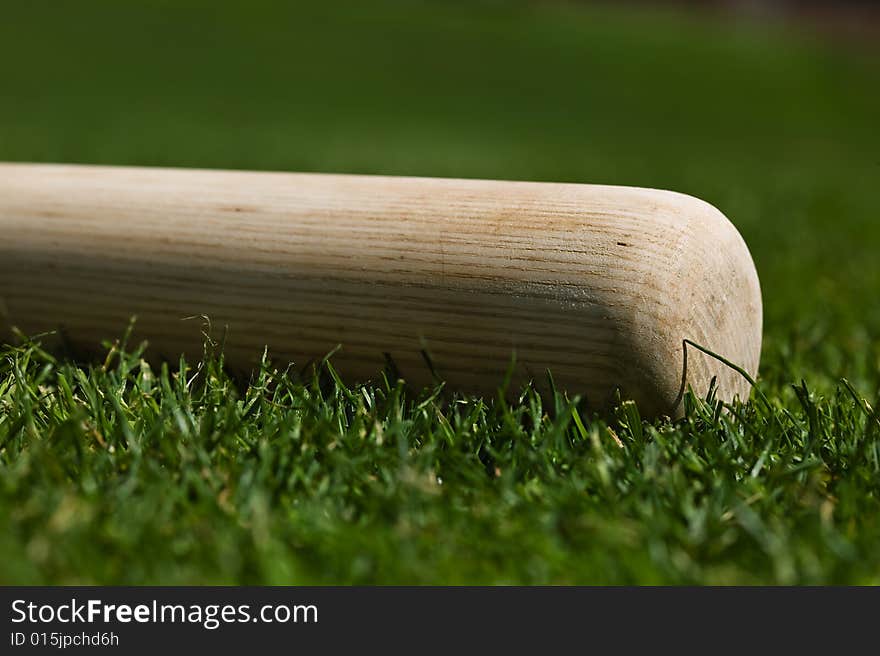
(601, 285)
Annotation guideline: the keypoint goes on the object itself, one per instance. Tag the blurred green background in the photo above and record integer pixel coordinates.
(774, 123)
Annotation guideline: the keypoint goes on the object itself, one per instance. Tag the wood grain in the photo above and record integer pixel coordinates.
(599, 284)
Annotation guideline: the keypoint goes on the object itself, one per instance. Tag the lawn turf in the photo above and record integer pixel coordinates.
(111, 472)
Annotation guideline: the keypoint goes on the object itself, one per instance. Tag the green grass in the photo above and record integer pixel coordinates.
(111, 472)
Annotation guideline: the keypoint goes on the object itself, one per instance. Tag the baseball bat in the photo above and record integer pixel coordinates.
(603, 286)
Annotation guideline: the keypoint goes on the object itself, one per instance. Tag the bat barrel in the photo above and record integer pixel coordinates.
(599, 284)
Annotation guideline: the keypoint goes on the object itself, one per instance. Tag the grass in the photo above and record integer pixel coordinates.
(118, 473)
(111, 472)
